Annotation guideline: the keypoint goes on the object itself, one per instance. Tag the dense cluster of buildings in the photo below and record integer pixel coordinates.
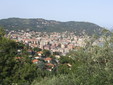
(56, 42)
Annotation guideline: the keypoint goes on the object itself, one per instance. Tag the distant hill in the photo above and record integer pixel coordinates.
(111, 29)
(43, 25)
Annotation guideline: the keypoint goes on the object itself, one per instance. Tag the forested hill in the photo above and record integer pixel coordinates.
(43, 25)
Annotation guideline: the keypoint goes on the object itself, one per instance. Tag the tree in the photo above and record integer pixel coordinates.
(37, 49)
(7, 62)
(13, 70)
(2, 32)
(46, 53)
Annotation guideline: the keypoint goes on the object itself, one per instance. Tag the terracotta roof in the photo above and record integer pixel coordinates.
(50, 64)
(35, 60)
(18, 57)
(40, 52)
(46, 59)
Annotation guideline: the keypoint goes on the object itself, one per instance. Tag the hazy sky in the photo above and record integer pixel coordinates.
(96, 11)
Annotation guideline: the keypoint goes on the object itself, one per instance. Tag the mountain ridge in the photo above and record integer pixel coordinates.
(42, 25)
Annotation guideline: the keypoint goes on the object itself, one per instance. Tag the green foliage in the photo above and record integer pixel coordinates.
(37, 49)
(63, 69)
(15, 71)
(25, 73)
(46, 53)
(2, 32)
(7, 63)
(65, 59)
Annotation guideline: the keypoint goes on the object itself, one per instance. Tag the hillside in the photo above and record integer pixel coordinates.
(43, 25)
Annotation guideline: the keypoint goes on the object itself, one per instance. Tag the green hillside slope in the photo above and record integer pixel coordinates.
(43, 25)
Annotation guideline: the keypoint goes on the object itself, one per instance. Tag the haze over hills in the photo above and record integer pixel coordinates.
(111, 29)
(43, 25)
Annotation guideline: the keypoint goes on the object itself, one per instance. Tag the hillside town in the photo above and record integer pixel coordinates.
(46, 49)
(55, 42)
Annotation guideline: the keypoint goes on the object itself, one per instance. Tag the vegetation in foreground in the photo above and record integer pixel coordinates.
(91, 65)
